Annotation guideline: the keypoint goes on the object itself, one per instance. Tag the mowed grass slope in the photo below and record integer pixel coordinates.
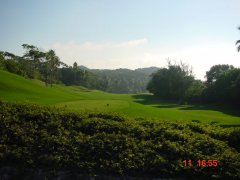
(15, 88)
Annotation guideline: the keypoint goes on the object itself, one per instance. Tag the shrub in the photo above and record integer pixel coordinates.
(33, 137)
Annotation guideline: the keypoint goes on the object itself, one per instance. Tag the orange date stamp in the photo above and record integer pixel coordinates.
(201, 163)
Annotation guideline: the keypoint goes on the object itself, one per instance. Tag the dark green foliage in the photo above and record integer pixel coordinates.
(35, 137)
(115, 81)
(12, 66)
(125, 80)
(216, 72)
(33, 64)
(234, 139)
(79, 77)
(15, 64)
(175, 82)
(194, 93)
(225, 89)
(171, 82)
(2, 65)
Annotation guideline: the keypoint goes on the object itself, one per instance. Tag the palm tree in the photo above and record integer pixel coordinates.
(238, 43)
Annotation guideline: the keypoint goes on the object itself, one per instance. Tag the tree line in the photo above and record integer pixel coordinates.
(34, 64)
(47, 67)
(176, 82)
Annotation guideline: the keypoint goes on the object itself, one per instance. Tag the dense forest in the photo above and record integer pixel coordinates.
(125, 80)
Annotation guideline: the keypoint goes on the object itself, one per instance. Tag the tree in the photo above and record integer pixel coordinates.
(13, 63)
(8, 55)
(34, 54)
(75, 70)
(194, 93)
(216, 72)
(171, 82)
(35, 58)
(225, 88)
(52, 63)
(75, 65)
(238, 42)
(2, 64)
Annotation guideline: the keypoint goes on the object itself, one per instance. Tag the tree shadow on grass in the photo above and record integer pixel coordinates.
(148, 99)
(229, 125)
(214, 107)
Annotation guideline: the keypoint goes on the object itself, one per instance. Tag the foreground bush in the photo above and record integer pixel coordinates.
(35, 138)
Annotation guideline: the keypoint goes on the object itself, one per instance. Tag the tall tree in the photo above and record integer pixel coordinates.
(75, 69)
(34, 56)
(52, 64)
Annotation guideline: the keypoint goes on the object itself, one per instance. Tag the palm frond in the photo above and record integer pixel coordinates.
(238, 41)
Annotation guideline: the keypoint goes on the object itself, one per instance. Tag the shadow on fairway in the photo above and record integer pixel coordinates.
(148, 99)
(221, 108)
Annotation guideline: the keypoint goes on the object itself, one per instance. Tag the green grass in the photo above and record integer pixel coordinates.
(18, 89)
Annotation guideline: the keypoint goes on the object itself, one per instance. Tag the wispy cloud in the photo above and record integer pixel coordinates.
(101, 55)
(99, 46)
(132, 43)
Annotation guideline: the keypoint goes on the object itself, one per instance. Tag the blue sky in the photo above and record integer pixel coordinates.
(125, 34)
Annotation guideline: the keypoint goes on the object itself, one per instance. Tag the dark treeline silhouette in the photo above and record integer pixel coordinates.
(171, 82)
(81, 77)
(176, 82)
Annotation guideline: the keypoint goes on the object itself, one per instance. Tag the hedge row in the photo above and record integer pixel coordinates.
(53, 140)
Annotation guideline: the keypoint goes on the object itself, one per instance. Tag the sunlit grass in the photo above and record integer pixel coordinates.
(18, 89)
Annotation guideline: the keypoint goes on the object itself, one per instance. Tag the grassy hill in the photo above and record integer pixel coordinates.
(18, 89)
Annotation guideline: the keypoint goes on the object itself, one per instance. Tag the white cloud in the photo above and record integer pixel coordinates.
(132, 43)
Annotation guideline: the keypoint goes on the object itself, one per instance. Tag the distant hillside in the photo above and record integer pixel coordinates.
(148, 70)
(124, 80)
